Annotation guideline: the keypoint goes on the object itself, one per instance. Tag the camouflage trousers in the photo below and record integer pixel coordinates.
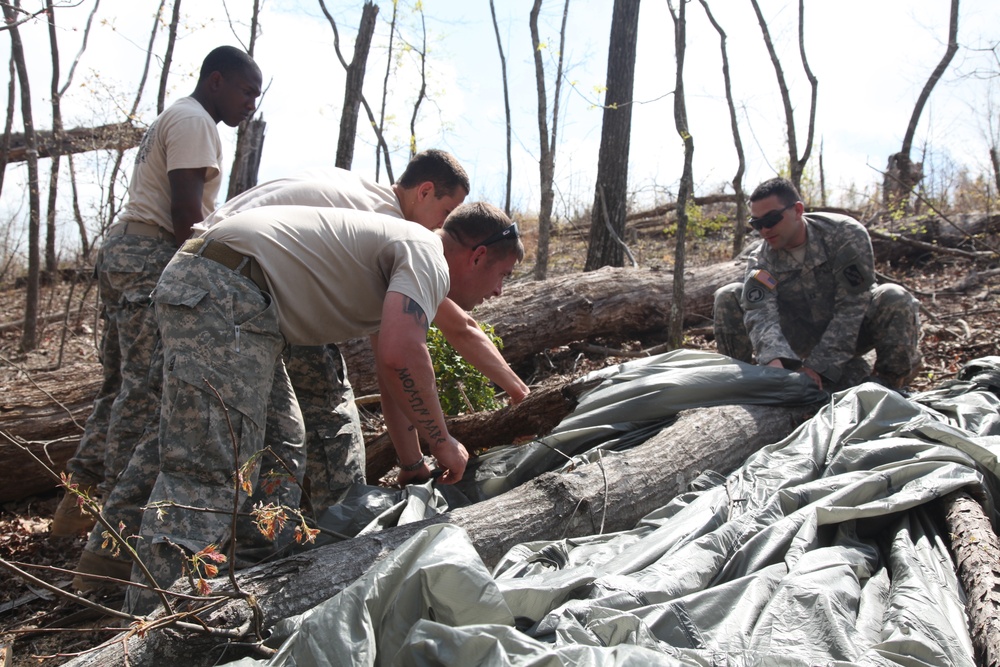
(336, 455)
(336, 448)
(222, 366)
(87, 462)
(891, 327)
(128, 267)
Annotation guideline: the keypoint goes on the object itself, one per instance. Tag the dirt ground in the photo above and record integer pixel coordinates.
(961, 321)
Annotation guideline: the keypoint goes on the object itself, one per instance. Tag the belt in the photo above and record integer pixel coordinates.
(142, 229)
(219, 252)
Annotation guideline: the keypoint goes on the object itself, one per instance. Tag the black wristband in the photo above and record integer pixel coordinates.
(412, 466)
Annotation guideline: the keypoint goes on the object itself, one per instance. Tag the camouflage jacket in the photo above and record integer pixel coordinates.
(810, 312)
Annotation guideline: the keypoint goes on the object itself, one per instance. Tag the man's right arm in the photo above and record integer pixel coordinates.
(761, 317)
(409, 392)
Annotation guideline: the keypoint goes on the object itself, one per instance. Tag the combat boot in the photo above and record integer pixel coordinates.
(70, 519)
(93, 564)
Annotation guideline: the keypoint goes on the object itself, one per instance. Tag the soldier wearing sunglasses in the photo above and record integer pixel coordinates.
(809, 302)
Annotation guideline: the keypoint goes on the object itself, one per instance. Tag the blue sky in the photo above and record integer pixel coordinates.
(871, 60)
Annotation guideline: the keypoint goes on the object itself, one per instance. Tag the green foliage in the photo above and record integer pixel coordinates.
(699, 226)
(461, 387)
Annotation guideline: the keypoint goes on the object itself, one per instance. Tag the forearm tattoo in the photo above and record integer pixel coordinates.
(419, 408)
(412, 308)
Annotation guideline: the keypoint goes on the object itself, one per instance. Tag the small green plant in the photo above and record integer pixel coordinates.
(461, 387)
(699, 225)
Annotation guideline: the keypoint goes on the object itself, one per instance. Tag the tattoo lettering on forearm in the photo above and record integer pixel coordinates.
(416, 403)
(413, 397)
(433, 431)
(411, 307)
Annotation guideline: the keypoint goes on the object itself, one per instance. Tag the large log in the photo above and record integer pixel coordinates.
(534, 316)
(612, 494)
(976, 550)
(965, 235)
(117, 136)
(44, 412)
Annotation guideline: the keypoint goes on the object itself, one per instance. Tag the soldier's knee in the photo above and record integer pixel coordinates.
(894, 296)
(728, 296)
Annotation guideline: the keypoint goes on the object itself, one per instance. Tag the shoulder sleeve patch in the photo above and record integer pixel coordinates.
(753, 294)
(764, 278)
(853, 275)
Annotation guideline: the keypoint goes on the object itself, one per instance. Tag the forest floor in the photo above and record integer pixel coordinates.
(960, 321)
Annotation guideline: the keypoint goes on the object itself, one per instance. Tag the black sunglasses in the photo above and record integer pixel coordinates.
(771, 218)
(502, 235)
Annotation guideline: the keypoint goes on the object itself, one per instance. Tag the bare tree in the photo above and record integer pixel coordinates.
(385, 97)
(796, 164)
(607, 218)
(506, 108)
(168, 57)
(29, 334)
(9, 118)
(56, 93)
(902, 174)
(547, 141)
(740, 225)
(422, 52)
(675, 331)
(353, 94)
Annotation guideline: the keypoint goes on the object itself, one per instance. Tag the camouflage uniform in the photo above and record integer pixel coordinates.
(128, 266)
(821, 312)
(335, 447)
(220, 334)
(87, 462)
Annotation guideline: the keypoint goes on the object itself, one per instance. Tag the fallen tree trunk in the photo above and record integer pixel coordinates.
(115, 136)
(612, 494)
(44, 412)
(965, 235)
(976, 551)
(534, 316)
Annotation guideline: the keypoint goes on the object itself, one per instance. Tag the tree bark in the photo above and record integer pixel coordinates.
(380, 147)
(612, 494)
(44, 412)
(976, 551)
(607, 216)
(675, 328)
(29, 335)
(246, 161)
(115, 136)
(354, 85)
(547, 141)
(168, 57)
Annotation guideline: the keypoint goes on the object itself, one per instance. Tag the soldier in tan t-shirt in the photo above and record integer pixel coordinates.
(174, 184)
(230, 301)
(430, 187)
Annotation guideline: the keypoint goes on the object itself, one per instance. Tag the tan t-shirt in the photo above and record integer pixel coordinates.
(328, 269)
(183, 137)
(337, 188)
